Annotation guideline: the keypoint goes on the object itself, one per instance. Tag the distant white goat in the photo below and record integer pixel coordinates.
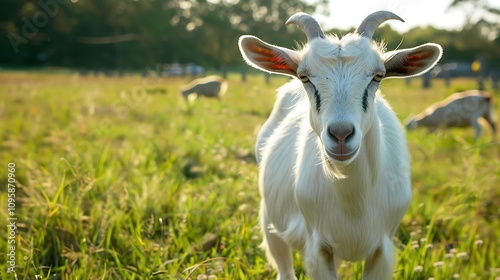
(211, 86)
(334, 165)
(460, 109)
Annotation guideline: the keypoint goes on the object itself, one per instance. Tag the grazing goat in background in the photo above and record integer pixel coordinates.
(333, 160)
(211, 86)
(460, 109)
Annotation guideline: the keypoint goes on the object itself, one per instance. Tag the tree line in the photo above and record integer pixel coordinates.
(132, 34)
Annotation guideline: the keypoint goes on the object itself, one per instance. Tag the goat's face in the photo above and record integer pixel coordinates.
(340, 76)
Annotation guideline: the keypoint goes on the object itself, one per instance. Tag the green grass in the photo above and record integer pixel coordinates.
(118, 181)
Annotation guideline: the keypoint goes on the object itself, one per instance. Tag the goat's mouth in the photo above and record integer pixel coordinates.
(344, 156)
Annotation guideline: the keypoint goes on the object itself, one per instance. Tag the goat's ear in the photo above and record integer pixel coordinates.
(269, 58)
(411, 62)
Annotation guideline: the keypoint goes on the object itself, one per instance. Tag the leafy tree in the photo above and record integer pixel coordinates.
(481, 16)
(134, 34)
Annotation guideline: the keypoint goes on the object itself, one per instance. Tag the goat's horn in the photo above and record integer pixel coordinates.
(308, 24)
(372, 22)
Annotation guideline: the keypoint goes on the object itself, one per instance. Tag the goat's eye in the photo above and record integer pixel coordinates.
(304, 78)
(378, 77)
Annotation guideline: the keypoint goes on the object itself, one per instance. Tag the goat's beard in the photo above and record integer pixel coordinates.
(331, 169)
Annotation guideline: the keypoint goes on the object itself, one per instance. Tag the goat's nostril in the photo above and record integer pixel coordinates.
(341, 134)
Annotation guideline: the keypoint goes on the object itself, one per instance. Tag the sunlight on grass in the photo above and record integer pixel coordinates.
(118, 182)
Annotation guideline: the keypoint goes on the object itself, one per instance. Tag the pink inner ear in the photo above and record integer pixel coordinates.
(274, 60)
(414, 63)
(415, 58)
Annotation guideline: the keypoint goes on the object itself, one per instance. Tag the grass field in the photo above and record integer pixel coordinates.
(117, 180)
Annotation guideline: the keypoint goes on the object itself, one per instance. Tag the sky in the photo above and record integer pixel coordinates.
(345, 14)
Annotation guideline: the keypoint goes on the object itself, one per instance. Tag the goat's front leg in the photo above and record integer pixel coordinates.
(319, 260)
(279, 254)
(477, 127)
(380, 264)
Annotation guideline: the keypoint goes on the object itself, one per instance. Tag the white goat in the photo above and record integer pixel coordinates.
(211, 86)
(334, 165)
(460, 109)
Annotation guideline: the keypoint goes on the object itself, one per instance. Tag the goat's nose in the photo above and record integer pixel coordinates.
(341, 133)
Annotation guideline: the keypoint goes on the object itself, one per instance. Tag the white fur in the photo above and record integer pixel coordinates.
(304, 199)
(332, 208)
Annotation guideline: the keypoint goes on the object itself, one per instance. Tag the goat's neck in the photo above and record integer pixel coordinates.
(360, 177)
(426, 120)
(189, 90)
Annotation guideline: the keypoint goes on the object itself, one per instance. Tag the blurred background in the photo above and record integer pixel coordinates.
(190, 37)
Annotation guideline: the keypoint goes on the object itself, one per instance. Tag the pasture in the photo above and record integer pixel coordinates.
(120, 178)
